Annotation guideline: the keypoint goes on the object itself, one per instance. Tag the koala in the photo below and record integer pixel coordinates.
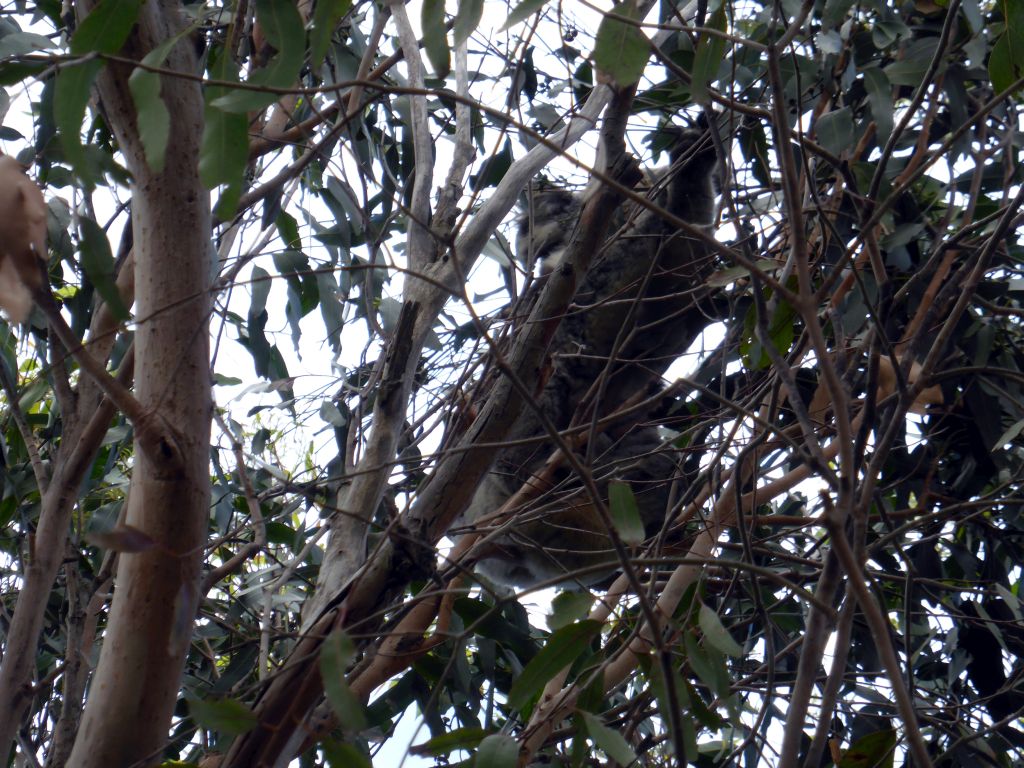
(635, 311)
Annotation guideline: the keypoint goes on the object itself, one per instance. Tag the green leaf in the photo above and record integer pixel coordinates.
(342, 755)
(707, 664)
(834, 130)
(708, 57)
(880, 101)
(228, 716)
(522, 12)
(497, 751)
(106, 27)
(71, 96)
(781, 333)
(435, 37)
(335, 656)
(13, 72)
(282, 27)
(609, 741)
(21, 43)
(467, 19)
(444, 743)
(568, 607)
(1008, 436)
(1010, 61)
(326, 16)
(716, 634)
(225, 148)
(153, 117)
(876, 750)
(682, 700)
(625, 513)
(563, 647)
(621, 50)
(98, 264)
(1002, 69)
(834, 13)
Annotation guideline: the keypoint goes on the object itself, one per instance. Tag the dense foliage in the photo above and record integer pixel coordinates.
(839, 582)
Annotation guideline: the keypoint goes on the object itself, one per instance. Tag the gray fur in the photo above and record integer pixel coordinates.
(648, 278)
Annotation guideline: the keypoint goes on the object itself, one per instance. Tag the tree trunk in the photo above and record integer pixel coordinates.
(135, 687)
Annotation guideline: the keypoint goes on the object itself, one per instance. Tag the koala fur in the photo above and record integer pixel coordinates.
(640, 300)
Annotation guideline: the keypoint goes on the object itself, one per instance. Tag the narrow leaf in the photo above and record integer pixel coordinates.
(708, 57)
(880, 100)
(225, 148)
(342, 755)
(153, 117)
(326, 17)
(335, 655)
(716, 634)
(625, 513)
(834, 130)
(106, 27)
(449, 741)
(435, 37)
(522, 12)
(876, 750)
(497, 751)
(228, 716)
(1001, 69)
(562, 648)
(467, 19)
(568, 607)
(71, 96)
(609, 741)
(621, 50)
(707, 664)
(282, 27)
(98, 264)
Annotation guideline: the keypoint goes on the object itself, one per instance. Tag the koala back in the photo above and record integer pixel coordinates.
(636, 310)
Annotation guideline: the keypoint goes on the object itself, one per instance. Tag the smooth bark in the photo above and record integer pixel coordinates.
(136, 684)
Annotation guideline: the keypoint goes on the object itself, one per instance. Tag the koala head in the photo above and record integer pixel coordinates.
(545, 226)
